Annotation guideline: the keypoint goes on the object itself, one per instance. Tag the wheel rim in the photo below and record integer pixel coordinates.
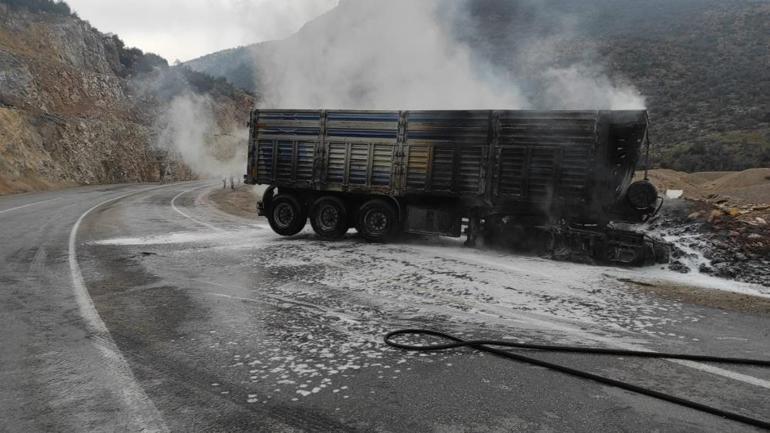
(283, 214)
(328, 218)
(376, 221)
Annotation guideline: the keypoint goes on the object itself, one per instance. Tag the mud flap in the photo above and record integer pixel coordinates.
(263, 205)
(432, 221)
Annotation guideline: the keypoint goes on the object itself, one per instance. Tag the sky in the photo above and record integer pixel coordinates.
(186, 29)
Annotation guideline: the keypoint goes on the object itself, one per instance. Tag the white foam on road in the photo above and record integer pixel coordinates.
(138, 406)
(563, 302)
(452, 284)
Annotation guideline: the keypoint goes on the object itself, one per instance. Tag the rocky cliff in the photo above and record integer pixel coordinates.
(78, 107)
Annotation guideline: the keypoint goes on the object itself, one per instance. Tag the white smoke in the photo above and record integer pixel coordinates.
(200, 130)
(580, 86)
(401, 54)
(364, 55)
(394, 55)
(188, 130)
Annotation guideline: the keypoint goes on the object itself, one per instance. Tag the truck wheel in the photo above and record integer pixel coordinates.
(329, 218)
(286, 215)
(377, 221)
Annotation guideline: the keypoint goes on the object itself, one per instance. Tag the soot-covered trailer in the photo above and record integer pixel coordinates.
(559, 179)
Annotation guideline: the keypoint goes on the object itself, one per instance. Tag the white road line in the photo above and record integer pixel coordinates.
(139, 406)
(195, 220)
(28, 205)
(740, 377)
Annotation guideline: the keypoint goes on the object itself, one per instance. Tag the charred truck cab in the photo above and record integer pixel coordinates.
(556, 181)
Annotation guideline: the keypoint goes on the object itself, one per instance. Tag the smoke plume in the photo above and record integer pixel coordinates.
(407, 54)
(189, 131)
(199, 129)
(393, 55)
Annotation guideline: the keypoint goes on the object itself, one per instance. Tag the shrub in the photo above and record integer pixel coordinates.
(204, 83)
(49, 6)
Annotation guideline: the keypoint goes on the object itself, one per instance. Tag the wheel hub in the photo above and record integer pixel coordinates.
(328, 217)
(376, 221)
(283, 215)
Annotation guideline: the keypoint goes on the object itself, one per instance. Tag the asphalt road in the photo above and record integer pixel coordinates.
(145, 308)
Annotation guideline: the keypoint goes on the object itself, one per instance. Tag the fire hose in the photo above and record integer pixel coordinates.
(485, 346)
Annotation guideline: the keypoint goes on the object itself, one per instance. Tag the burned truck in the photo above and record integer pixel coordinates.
(555, 181)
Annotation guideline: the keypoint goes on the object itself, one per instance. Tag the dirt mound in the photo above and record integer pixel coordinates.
(703, 177)
(738, 188)
(750, 186)
(740, 179)
(756, 194)
(665, 179)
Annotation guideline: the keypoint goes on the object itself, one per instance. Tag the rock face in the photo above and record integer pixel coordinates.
(75, 106)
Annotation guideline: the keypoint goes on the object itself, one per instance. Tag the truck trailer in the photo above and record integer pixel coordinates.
(560, 182)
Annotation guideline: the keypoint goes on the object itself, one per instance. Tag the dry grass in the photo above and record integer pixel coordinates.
(241, 202)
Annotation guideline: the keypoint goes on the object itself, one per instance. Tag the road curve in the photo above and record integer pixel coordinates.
(145, 308)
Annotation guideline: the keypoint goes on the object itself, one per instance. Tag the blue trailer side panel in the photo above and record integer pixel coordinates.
(359, 151)
(575, 163)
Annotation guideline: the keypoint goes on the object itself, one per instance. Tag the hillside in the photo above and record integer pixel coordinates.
(701, 65)
(78, 107)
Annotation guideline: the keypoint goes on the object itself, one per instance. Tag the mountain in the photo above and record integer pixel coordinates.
(78, 107)
(701, 65)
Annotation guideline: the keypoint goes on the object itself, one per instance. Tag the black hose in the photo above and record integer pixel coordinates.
(483, 345)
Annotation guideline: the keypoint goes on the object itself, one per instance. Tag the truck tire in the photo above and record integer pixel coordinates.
(329, 218)
(377, 221)
(286, 215)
